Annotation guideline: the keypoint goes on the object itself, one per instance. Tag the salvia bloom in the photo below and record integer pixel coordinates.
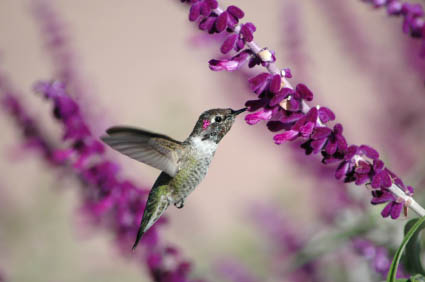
(285, 108)
(233, 271)
(412, 14)
(34, 139)
(377, 256)
(286, 240)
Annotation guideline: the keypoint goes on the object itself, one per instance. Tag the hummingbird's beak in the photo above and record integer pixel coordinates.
(235, 113)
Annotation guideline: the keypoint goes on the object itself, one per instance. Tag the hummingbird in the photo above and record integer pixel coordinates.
(183, 164)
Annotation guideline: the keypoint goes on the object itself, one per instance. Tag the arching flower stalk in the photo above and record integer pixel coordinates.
(285, 107)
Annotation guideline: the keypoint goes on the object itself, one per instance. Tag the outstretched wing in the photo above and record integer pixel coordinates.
(156, 150)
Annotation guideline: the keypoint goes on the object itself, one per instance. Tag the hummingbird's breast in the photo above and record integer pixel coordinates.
(194, 167)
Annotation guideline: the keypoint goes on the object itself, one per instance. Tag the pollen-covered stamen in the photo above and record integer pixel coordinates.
(206, 123)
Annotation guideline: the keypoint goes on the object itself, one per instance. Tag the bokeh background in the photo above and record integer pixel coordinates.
(144, 64)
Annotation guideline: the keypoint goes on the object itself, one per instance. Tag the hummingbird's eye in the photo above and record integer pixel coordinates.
(218, 119)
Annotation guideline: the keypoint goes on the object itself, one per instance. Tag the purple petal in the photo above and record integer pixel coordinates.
(341, 142)
(254, 105)
(387, 210)
(326, 114)
(205, 9)
(195, 11)
(290, 117)
(321, 132)
(307, 129)
(381, 179)
(331, 148)
(219, 65)
(246, 33)
(396, 210)
(250, 26)
(338, 128)
(369, 152)
(378, 165)
(386, 179)
(212, 3)
(318, 145)
(341, 170)
(259, 82)
(254, 118)
(221, 22)
(229, 43)
(304, 92)
(380, 197)
(351, 151)
(275, 83)
(394, 8)
(312, 115)
(286, 136)
(207, 23)
(276, 125)
(236, 12)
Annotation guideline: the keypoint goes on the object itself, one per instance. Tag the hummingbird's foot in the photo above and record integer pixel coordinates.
(179, 204)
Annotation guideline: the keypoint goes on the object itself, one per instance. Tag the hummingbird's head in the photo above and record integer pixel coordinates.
(214, 124)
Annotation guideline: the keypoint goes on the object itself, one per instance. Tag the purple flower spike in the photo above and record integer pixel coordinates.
(286, 109)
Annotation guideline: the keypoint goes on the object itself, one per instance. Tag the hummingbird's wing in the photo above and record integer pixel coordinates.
(156, 150)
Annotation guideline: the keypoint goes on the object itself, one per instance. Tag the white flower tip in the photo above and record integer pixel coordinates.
(265, 55)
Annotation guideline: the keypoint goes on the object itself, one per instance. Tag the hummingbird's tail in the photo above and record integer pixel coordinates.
(139, 236)
(156, 205)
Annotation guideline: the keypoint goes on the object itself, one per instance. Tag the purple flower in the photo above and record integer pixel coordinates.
(377, 256)
(286, 109)
(412, 13)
